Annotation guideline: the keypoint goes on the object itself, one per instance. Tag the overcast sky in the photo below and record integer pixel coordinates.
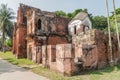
(96, 7)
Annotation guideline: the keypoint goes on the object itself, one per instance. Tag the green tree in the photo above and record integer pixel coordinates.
(69, 15)
(6, 26)
(60, 13)
(112, 22)
(99, 22)
(72, 14)
(117, 12)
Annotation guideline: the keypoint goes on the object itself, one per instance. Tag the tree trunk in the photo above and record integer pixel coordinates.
(116, 25)
(3, 38)
(109, 34)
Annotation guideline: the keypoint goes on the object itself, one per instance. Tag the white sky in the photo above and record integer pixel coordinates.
(96, 7)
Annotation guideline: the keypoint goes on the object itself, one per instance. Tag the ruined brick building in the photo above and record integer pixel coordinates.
(34, 27)
(63, 45)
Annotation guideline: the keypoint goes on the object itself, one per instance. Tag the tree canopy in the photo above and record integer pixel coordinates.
(112, 20)
(99, 22)
(6, 15)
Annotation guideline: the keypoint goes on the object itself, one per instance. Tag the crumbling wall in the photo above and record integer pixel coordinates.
(28, 17)
(19, 42)
(101, 41)
(59, 58)
(53, 26)
(86, 57)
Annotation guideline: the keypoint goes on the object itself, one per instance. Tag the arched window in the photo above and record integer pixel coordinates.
(39, 24)
(85, 28)
(25, 20)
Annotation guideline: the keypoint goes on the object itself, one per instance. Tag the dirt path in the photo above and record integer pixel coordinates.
(12, 72)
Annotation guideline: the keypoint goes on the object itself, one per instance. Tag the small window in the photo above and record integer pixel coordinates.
(74, 29)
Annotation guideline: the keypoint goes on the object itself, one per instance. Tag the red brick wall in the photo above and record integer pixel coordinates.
(62, 25)
(90, 57)
(20, 43)
(53, 40)
(102, 42)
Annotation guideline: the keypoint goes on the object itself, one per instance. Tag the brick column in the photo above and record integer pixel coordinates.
(65, 59)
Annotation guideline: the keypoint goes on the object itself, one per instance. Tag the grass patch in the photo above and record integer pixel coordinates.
(11, 58)
(52, 75)
(109, 73)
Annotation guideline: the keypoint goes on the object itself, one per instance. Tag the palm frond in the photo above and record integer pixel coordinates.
(6, 15)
